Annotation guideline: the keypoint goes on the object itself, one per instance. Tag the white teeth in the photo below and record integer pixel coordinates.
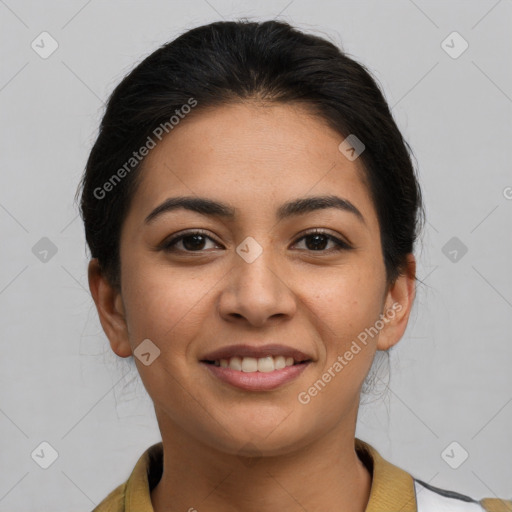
(252, 364)
(249, 364)
(266, 364)
(279, 362)
(235, 363)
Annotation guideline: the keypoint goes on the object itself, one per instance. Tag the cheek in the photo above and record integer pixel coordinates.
(344, 307)
(163, 304)
(345, 302)
(167, 307)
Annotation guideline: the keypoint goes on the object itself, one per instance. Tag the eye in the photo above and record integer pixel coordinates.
(320, 238)
(192, 241)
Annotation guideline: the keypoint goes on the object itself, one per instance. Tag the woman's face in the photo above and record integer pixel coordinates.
(253, 279)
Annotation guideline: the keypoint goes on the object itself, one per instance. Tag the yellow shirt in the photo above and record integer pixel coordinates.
(392, 490)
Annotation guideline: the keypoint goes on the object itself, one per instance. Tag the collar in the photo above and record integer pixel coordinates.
(392, 488)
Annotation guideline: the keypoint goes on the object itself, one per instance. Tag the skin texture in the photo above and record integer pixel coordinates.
(226, 449)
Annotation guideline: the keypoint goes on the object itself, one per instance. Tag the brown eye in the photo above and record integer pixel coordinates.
(193, 241)
(318, 240)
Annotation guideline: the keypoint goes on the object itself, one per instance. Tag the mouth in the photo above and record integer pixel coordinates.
(265, 364)
(256, 368)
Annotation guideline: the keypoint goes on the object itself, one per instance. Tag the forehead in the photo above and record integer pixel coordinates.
(255, 156)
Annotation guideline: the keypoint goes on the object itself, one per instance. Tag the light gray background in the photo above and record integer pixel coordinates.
(451, 377)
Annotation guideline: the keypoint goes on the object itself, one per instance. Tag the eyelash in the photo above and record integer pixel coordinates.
(167, 246)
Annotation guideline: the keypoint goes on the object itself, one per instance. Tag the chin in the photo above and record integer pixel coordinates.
(262, 437)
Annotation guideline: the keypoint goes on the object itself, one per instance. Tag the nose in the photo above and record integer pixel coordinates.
(257, 291)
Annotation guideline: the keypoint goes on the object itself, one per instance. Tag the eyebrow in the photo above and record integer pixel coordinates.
(212, 208)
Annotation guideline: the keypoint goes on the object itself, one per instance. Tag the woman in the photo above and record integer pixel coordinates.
(251, 210)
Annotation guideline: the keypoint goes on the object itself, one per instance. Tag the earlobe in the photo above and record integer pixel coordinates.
(110, 309)
(398, 305)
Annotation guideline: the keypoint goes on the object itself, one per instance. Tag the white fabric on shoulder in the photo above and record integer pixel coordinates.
(430, 500)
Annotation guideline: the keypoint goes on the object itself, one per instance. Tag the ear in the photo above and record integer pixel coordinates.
(110, 308)
(397, 306)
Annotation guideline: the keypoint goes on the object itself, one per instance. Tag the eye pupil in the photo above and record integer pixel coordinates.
(198, 244)
(315, 244)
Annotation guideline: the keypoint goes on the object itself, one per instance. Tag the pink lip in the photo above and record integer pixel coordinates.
(255, 351)
(257, 381)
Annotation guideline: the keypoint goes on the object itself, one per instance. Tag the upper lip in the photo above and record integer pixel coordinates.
(256, 351)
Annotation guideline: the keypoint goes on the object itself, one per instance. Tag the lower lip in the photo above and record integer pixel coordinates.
(257, 381)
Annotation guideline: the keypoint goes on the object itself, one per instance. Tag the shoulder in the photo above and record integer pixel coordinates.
(114, 501)
(135, 493)
(435, 499)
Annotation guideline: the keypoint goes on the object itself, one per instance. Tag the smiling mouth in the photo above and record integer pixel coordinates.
(252, 364)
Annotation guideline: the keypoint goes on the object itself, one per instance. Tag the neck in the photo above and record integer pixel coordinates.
(326, 475)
